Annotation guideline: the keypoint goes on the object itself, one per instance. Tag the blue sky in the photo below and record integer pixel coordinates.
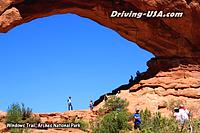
(45, 61)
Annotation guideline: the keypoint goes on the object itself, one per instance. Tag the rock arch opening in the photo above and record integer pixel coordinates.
(165, 38)
(30, 60)
(174, 42)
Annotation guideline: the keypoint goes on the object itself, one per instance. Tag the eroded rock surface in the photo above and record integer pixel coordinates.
(57, 117)
(164, 37)
(175, 72)
(180, 84)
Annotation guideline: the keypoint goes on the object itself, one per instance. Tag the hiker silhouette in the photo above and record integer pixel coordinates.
(91, 105)
(138, 74)
(131, 80)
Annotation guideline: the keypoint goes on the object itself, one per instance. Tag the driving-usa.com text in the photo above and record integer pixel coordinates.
(148, 14)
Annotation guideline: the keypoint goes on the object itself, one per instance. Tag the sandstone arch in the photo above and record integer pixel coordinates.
(166, 38)
(172, 41)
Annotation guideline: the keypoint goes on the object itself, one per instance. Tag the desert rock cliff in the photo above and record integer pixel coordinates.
(174, 73)
(164, 37)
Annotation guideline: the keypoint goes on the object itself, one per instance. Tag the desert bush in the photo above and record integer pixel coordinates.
(196, 125)
(20, 114)
(156, 123)
(84, 124)
(14, 114)
(112, 104)
(113, 122)
(26, 112)
(116, 121)
(19, 130)
(113, 117)
(16, 130)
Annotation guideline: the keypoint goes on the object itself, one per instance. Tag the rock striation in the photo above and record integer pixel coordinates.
(174, 73)
(164, 91)
(164, 37)
(168, 88)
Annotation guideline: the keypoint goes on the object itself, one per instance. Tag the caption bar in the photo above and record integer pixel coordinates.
(43, 125)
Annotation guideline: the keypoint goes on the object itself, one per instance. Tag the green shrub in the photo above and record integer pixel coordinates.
(113, 122)
(19, 130)
(113, 117)
(196, 125)
(84, 124)
(14, 114)
(26, 112)
(117, 122)
(16, 130)
(114, 103)
(156, 123)
(20, 114)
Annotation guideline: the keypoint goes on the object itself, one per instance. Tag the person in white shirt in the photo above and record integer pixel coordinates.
(184, 114)
(177, 114)
(181, 114)
(118, 94)
(69, 101)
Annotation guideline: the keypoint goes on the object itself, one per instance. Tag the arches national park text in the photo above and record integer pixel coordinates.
(43, 125)
(148, 14)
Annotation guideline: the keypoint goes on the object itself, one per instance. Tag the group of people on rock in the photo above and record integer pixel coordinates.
(70, 107)
(181, 114)
(91, 105)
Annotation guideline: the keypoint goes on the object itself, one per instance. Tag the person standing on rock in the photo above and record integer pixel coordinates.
(118, 94)
(131, 80)
(177, 114)
(69, 101)
(184, 113)
(91, 105)
(137, 119)
(182, 116)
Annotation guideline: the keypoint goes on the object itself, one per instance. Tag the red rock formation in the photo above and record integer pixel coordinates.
(85, 115)
(173, 74)
(164, 90)
(172, 37)
(177, 84)
(2, 121)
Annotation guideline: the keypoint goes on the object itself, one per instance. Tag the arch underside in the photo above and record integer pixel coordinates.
(165, 38)
(175, 42)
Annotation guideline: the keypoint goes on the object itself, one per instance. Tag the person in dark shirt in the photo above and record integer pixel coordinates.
(91, 105)
(137, 119)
